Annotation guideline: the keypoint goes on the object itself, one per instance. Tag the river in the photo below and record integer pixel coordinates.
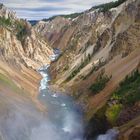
(21, 120)
(64, 117)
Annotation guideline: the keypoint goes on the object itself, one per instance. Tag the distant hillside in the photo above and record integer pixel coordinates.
(103, 7)
(33, 22)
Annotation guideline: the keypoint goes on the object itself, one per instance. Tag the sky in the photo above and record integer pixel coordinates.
(39, 9)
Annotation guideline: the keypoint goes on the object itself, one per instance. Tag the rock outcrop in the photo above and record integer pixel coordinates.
(22, 51)
(5, 12)
(20, 43)
(99, 49)
(96, 43)
(52, 30)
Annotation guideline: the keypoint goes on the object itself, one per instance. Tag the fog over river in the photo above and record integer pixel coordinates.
(64, 117)
(63, 120)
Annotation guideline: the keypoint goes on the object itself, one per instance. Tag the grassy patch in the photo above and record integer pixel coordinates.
(112, 113)
(126, 95)
(129, 90)
(8, 82)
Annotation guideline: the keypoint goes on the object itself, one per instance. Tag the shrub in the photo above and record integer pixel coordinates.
(106, 7)
(72, 16)
(66, 67)
(112, 113)
(99, 84)
(73, 74)
(21, 30)
(78, 69)
(129, 90)
(6, 22)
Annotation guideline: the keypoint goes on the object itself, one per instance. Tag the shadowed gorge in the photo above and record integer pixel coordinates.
(72, 76)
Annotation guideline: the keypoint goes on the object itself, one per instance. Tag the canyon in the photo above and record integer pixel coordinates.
(94, 84)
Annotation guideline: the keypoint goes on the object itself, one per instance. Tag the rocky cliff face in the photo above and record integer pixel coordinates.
(5, 12)
(51, 30)
(20, 43)
(22, 51)
(98, 35)
(98, 48)
(93, 40)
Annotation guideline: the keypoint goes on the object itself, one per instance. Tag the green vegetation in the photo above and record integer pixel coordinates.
(73, 74)
(129, 90)
(8, 82)
(18, 26)
(112, 113)
(95, 68)
(99, 84)
(66, 67)
(106, 7)
(78, 69)
(72, 16)
(21, 31)
(33, 22)
(5, 22)
(103, 8)
(126, 95)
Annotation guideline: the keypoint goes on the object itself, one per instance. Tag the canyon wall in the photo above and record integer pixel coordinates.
(99, 64)
(99, 50)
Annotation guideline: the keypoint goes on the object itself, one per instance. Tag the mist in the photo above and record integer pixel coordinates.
(64, 117)
(21, 120)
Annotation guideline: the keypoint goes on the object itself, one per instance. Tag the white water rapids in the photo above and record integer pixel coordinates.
(21, 120)
(64, 118)
(110, 135)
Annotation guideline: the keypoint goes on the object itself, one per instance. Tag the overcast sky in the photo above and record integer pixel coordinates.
(38, 9)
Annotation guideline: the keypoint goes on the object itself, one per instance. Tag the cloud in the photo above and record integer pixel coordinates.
(38, 9)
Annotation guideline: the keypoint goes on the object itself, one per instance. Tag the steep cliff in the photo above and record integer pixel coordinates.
(19, 43)
(99, 65)
(22, 51)
(99, 49)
